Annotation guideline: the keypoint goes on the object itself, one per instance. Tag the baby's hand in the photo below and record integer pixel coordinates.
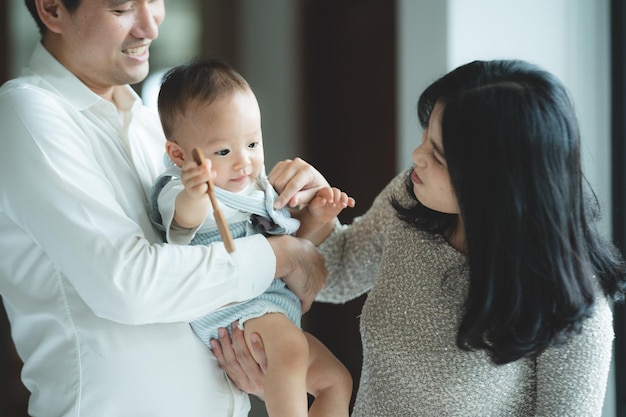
(195, 178)
(328, 203)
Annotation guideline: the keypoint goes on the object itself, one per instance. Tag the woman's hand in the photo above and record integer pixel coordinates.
(296, 182)
(236, 360)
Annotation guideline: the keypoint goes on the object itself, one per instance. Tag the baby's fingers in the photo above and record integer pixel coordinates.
(340, 198)
(346, 200)
(195, 178)
(325, 194)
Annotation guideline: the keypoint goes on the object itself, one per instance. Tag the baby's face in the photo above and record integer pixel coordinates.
(229, 133)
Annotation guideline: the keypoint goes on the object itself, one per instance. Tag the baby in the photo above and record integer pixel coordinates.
(208, 105)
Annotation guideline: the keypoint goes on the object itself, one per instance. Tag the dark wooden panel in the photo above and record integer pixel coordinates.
(13, 395)
(349, 126)
(5, 45)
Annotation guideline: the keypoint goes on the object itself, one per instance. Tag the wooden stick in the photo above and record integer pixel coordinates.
(222, 225)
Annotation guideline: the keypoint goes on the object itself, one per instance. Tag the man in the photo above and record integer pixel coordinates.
(98, 305)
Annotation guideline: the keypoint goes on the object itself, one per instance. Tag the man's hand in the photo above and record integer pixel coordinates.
(236, 360)
(301, 266)
(296, 182)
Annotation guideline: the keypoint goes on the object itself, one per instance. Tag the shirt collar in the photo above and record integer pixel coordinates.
(71, 87)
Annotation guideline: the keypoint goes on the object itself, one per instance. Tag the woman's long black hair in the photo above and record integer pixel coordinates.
(512, 146)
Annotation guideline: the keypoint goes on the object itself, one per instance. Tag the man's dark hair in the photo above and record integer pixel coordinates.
(70, 5)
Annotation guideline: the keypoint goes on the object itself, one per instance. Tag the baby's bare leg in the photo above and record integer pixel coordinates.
(328, 381)
(287, 353)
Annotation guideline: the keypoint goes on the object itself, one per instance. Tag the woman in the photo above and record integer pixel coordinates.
(489, 286)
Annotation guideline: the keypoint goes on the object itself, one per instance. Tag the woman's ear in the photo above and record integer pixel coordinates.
(51, 13)
(175, 152)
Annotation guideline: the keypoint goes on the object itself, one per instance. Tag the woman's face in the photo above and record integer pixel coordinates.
(430, 177)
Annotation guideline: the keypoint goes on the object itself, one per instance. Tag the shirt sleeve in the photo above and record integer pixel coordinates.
(82, 208)
(571, 379)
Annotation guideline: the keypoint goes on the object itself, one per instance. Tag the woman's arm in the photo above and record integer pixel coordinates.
(353, 252)
(363, 239)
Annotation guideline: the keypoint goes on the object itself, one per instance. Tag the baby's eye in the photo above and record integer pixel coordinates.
(223, 152)
(253, 145)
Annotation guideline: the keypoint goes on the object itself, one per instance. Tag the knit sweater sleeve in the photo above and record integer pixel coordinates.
(353, 252)
(571, 379)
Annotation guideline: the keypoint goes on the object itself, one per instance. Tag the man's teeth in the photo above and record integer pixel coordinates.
(136, 51)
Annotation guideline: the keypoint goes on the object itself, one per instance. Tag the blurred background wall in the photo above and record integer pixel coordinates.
(337, 82)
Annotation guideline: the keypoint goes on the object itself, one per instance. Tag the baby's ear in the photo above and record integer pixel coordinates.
(175, 152)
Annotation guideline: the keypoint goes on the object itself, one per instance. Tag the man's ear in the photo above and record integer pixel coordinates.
(51, 13)
(175, 152)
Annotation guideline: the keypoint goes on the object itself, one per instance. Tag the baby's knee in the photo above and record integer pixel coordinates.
(294, 349)
(343, 377)
(285, 344)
